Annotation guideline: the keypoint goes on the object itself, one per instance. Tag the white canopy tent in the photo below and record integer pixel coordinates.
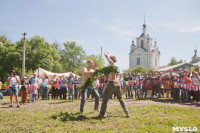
(42, 72)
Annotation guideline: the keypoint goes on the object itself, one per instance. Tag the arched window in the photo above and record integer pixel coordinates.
(142, 44)
(138, 61)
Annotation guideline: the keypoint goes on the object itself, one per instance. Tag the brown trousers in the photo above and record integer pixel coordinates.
(24, 96)
(113, 88)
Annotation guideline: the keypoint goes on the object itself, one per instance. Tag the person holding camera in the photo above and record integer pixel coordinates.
(13, 81)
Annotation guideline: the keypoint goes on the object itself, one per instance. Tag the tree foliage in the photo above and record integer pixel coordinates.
(9, 57)
(138, 69)
(39, 53)
(72, 56)
(97, 59)
(173, 61)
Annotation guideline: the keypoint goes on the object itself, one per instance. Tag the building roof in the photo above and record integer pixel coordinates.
(173, 67)
(195, 64)
(41, 72)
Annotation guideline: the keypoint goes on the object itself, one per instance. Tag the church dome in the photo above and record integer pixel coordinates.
(144, 25)
(195, 58)
(143, 34)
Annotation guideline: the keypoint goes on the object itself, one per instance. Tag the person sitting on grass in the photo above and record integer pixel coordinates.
(13, 81)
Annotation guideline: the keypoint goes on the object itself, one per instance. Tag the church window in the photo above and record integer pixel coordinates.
(142, 44)
(138, 61)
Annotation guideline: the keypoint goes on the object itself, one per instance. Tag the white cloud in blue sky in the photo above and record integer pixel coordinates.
(111, 24)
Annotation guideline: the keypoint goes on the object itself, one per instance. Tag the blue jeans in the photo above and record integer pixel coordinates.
(39, 92)
(176, 92)
(76, 92)
(44, 93)
(13, 90)
(185, 95)
(84, 96)
(101, 92)
(144, 93)
(34, 97)
(71, 92)
(131, 89)
(136, 91)
(47, 93)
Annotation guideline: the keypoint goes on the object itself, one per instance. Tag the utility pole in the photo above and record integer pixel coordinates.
(23, 57)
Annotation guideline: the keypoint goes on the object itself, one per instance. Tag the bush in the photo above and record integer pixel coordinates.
(138, 69)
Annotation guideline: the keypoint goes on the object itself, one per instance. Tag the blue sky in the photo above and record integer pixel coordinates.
(111, 24)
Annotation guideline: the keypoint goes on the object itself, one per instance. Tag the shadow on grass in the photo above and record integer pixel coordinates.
(175, 102)
(59, 102)
(73, 117)
(5, 107)
(5, 103)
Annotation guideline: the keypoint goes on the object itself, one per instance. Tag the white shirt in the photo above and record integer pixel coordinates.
(196, 81)
(39, 81)
(35, 88)
(13, 81)
(46, 81)
(168, 74)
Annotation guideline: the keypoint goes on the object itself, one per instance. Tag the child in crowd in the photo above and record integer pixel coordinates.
(176, 88)
(185, 80)
(196, 82)
(34, 91)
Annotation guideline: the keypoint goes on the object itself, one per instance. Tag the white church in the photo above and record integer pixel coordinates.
(144, 53)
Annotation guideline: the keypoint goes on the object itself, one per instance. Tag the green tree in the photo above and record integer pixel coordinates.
(138, 69)
(9, 58)
(96, 59)
(57, 67)
(72, 56)
(173, 61)
(39, 53)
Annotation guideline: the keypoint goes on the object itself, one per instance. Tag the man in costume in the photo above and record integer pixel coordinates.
(87, 72)
(113, 87)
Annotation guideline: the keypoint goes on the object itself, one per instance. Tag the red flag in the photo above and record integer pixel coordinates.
(7, 86)
(55, 86)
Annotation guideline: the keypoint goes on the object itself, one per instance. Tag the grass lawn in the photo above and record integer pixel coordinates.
(63, 116)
